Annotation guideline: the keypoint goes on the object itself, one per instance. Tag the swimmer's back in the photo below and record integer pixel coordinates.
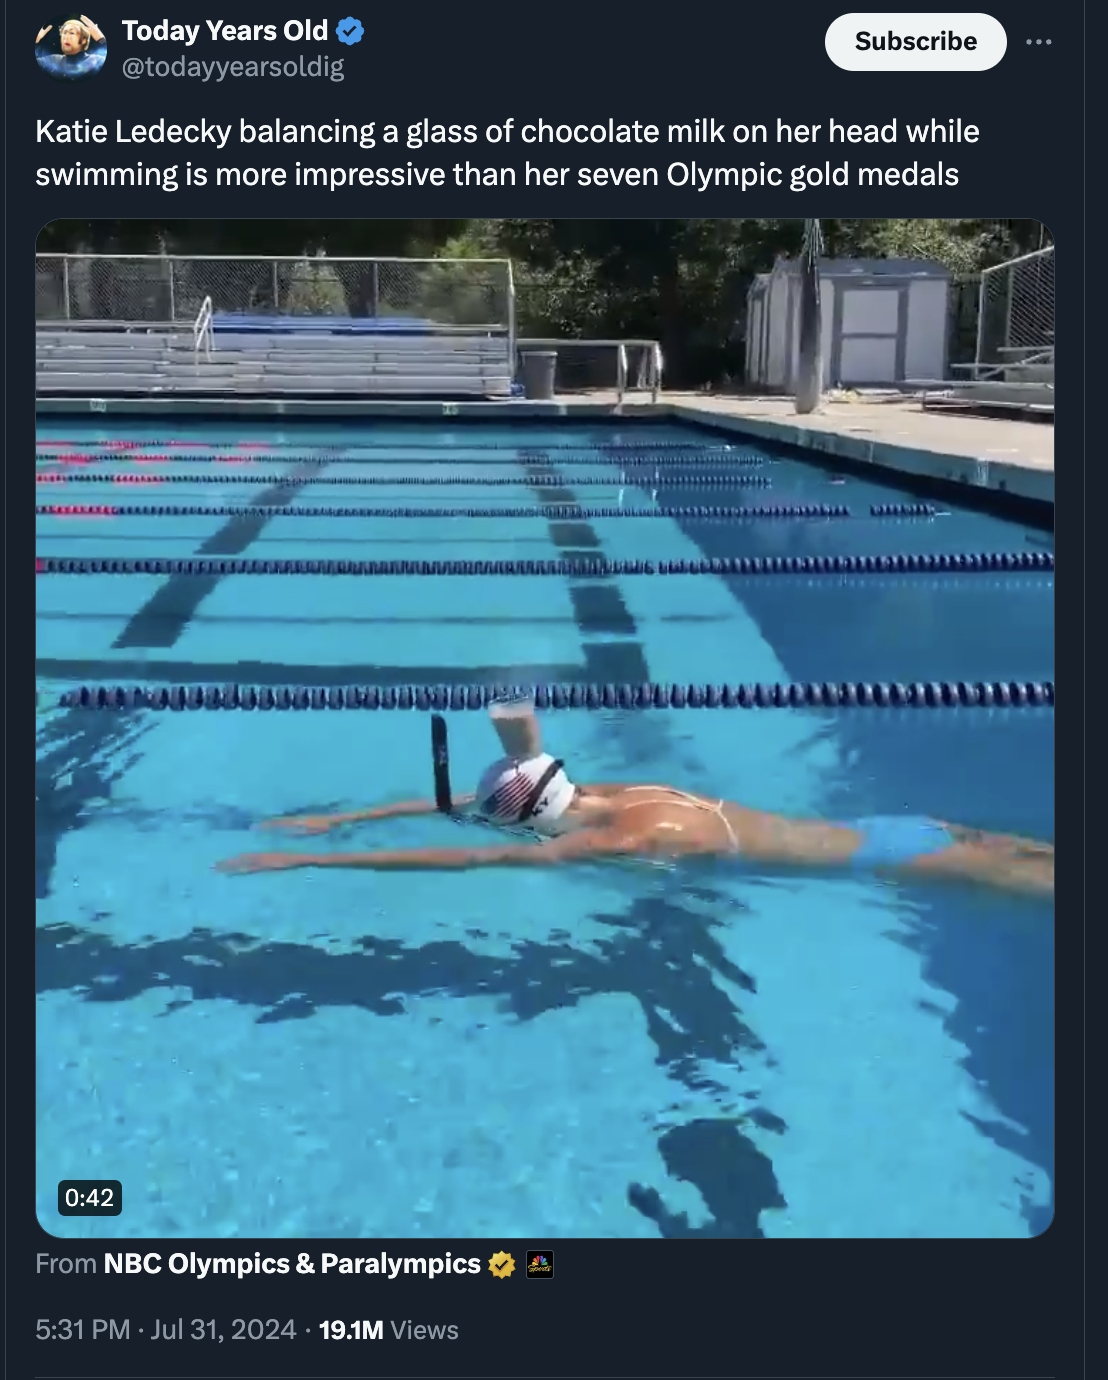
(691, 822)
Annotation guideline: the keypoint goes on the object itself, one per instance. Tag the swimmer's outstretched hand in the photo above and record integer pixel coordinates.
(264, 862)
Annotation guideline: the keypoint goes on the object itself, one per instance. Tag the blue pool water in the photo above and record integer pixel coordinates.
(597, 1052)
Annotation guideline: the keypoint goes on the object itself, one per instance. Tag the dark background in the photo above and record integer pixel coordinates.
(696, 1307)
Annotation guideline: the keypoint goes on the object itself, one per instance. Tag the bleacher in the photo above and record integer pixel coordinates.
(230, 328)
(1022, 382)
(115, 362)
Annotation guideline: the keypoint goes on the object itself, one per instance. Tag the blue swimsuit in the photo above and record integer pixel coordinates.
(893, 840)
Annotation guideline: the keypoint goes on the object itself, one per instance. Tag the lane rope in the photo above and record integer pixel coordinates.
(944, 694)
(719, 481)
(574, 510)
(553, 512)
(561, 447)
(960, 563)
(711, 457)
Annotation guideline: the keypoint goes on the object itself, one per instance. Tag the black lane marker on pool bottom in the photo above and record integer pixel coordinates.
(78, 764)
(140, 671)
(705, 1151)
(594, 602)
(598, 606)
(166, 614)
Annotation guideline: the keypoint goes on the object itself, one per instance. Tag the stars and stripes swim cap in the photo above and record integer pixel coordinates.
(531, 790)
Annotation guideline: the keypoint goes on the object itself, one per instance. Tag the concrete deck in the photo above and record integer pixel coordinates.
(1011, 456)
(1014, 456)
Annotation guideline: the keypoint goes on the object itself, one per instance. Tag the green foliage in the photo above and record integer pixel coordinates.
(313, 288)
(684, 282)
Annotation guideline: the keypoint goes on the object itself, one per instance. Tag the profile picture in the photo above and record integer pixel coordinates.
(71, 47)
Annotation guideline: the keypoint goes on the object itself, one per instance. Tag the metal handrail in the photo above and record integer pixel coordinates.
(1043, 253)
(983, 373)
(511, 312)
(202, 331)
(656, 382)
(648, 379)
(544, 343)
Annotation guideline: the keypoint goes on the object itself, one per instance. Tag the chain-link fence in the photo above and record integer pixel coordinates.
(449, 294)
(1016, 307)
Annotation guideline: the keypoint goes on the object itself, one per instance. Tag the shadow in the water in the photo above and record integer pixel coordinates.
(661, 954)
(734, 1178)
(996, 953)
(80, 758)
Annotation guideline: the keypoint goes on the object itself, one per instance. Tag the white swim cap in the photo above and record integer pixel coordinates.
(534, 791)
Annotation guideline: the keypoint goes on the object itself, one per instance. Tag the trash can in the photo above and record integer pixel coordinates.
(539, 367)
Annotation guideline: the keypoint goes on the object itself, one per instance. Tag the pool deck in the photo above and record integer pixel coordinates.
(1013, 456)
(1010, 456)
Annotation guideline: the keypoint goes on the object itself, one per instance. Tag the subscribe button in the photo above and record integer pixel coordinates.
(915, 42)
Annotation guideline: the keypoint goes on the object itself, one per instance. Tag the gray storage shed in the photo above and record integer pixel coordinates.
(884, 321)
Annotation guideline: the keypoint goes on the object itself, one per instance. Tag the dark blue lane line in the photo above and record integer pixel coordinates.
(164, 617)
(141, 671)
(291, 620)
(597, 602)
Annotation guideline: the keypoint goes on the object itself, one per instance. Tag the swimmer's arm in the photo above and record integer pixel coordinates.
(596, 843)
(319, 824)
(399, 809)
(592, 844)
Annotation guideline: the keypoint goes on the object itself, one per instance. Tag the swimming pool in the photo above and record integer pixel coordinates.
(600, 1052)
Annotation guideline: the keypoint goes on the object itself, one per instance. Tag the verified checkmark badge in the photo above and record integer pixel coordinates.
(349, 31)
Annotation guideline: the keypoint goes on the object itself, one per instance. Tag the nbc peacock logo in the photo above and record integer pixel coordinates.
(540, 1264)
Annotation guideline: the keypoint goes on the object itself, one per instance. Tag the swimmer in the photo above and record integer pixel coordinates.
(528, 790)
